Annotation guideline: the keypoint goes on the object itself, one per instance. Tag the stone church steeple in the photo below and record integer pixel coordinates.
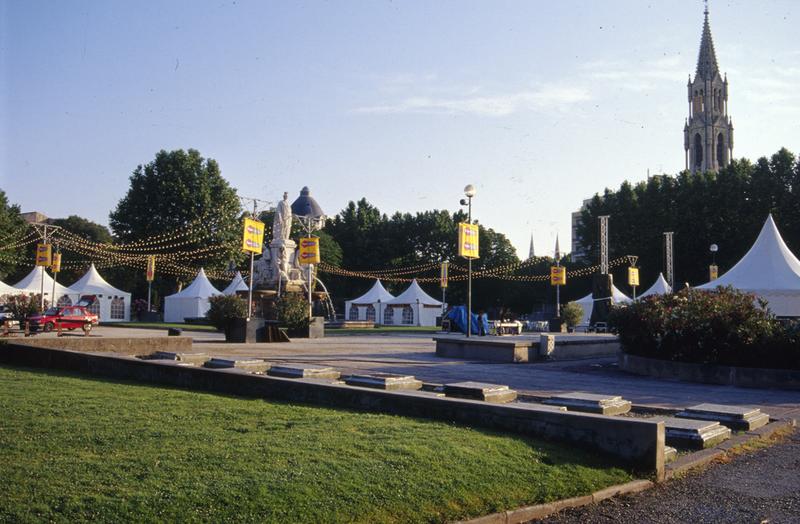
(708, 132)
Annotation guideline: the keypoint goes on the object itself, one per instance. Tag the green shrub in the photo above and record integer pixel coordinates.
(293, 312)
(23, 306)
(723, 326)
(572, 314)
(225, 308)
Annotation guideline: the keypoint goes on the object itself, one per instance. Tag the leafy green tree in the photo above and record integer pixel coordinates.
(87, 230)
(12, 228)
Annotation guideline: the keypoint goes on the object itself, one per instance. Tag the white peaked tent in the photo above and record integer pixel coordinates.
(32, 285)
(112, 304)
(192, 301)
(769, 270)
(587, 303)
(5, 289)
(237, 284)
(367, 305)
(412, 307)
(659, 287)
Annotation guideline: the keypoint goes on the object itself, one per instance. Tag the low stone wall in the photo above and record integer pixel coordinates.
(548, 347)
(636, 442)
(119, 345)
(711, 374)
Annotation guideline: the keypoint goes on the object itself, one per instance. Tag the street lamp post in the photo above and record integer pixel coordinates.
(469, 191)
(713, 271)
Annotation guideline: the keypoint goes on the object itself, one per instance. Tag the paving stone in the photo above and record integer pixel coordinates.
(591, 403)
(480, 391)
(389, 381)
(734, 417)
(191, 358)
(303, 371)
(693, 434)
(243, 363)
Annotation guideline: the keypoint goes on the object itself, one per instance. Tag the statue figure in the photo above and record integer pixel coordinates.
(282, 224)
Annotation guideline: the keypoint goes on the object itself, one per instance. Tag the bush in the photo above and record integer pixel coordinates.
(572, 314)
(723, 326)
(293, 312)
(23, 306)
(225, 308)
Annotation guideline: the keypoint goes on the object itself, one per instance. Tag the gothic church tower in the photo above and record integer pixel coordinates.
(708, 133)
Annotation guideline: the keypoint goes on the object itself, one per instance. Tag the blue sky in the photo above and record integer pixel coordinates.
(540, 104)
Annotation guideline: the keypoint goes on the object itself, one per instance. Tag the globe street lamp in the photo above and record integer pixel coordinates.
(469, 192)
(713, 270)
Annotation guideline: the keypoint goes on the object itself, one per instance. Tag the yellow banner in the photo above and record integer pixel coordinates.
(443, 276)
(468, 240)
(151, 268)
(309, 251)
(55, 267)
(633, 276)
(43, 255)
(253, 236)
(558, 276)
(713, 272)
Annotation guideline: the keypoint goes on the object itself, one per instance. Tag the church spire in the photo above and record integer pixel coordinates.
(530, 250)
(707, 66)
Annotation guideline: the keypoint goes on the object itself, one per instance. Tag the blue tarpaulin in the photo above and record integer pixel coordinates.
(458, 315)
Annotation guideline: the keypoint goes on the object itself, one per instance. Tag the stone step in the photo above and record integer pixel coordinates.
(591, 403)
(693, 434)
(303, 371)
(480, 391)
(244, 363)
(388, 381)
(670, 454)
(734, 417)
(190, 358)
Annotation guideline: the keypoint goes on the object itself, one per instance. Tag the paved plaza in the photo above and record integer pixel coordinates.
(414, 354)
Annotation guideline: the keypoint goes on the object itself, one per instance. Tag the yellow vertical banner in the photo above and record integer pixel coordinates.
(558, 276)
(309, 251)
(253, 236)
(55, 266)
(633, 276)
(151, 268)
(468, 240)
(713, 272)
(43, 255)
(444, 275)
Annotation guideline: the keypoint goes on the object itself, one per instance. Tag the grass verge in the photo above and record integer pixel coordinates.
(78, 449)
(160, 325)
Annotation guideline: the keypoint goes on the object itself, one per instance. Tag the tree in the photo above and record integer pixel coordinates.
(12, 228)
(87, 230)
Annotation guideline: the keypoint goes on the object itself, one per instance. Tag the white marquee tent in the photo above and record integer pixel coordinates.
(587, 303)
(770, 270)
(192, 301)
(237, 284)
(5, 289)
(659, 287)
(367, 305)
(412, 307)
(112, 304)
(32, 285)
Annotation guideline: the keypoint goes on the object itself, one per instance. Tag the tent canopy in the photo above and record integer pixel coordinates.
(587, 302)
(376, 293)
(32, 283)
(5, 289)
(93, 284)
(237, 284)
(414, 294)
(201, 287)
(659, 287)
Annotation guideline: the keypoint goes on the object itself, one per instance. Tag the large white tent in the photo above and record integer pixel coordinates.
(32, 285)
(237, 284)
(587, 303)
(112, 304)
(412, 307)
(192, 301)
(770, 270)
(659, 287)
(367, 305)
(5, 289)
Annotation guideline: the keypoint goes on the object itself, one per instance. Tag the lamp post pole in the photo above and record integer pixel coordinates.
(469, 274)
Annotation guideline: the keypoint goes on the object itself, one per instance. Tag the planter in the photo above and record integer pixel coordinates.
(557, 325)
(316, 329)
(148, 316)
(240, 330)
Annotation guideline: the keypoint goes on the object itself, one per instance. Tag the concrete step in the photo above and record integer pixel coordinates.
(693, 434)
(303, 371)
(189, 358)
(244, 363)
(591, 403)
(480, 391)
(388, 381)
(735, 417)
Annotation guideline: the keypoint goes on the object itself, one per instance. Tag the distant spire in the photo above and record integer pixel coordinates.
(531, 254)
(707, 59)
(558, 250)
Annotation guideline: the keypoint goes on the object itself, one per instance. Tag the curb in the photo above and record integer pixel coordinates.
(540, 511)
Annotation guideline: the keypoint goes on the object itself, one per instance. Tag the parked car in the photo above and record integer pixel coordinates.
(69, 317)
(6, 315)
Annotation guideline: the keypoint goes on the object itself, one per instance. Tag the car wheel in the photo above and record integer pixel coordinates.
(48, 327)
(87, 327)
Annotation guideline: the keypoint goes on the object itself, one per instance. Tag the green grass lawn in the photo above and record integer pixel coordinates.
(160, 325)
(76, 448)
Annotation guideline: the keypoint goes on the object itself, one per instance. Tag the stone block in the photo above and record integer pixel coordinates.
(303, 371)
(243, 363)
(480, 391)
(547, 344)
(189, 358)
(734, 417)
(694, 434)
(387, 381)
(670, 454)
(591, 403)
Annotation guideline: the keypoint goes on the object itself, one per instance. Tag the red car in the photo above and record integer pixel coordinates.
(70, 317)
